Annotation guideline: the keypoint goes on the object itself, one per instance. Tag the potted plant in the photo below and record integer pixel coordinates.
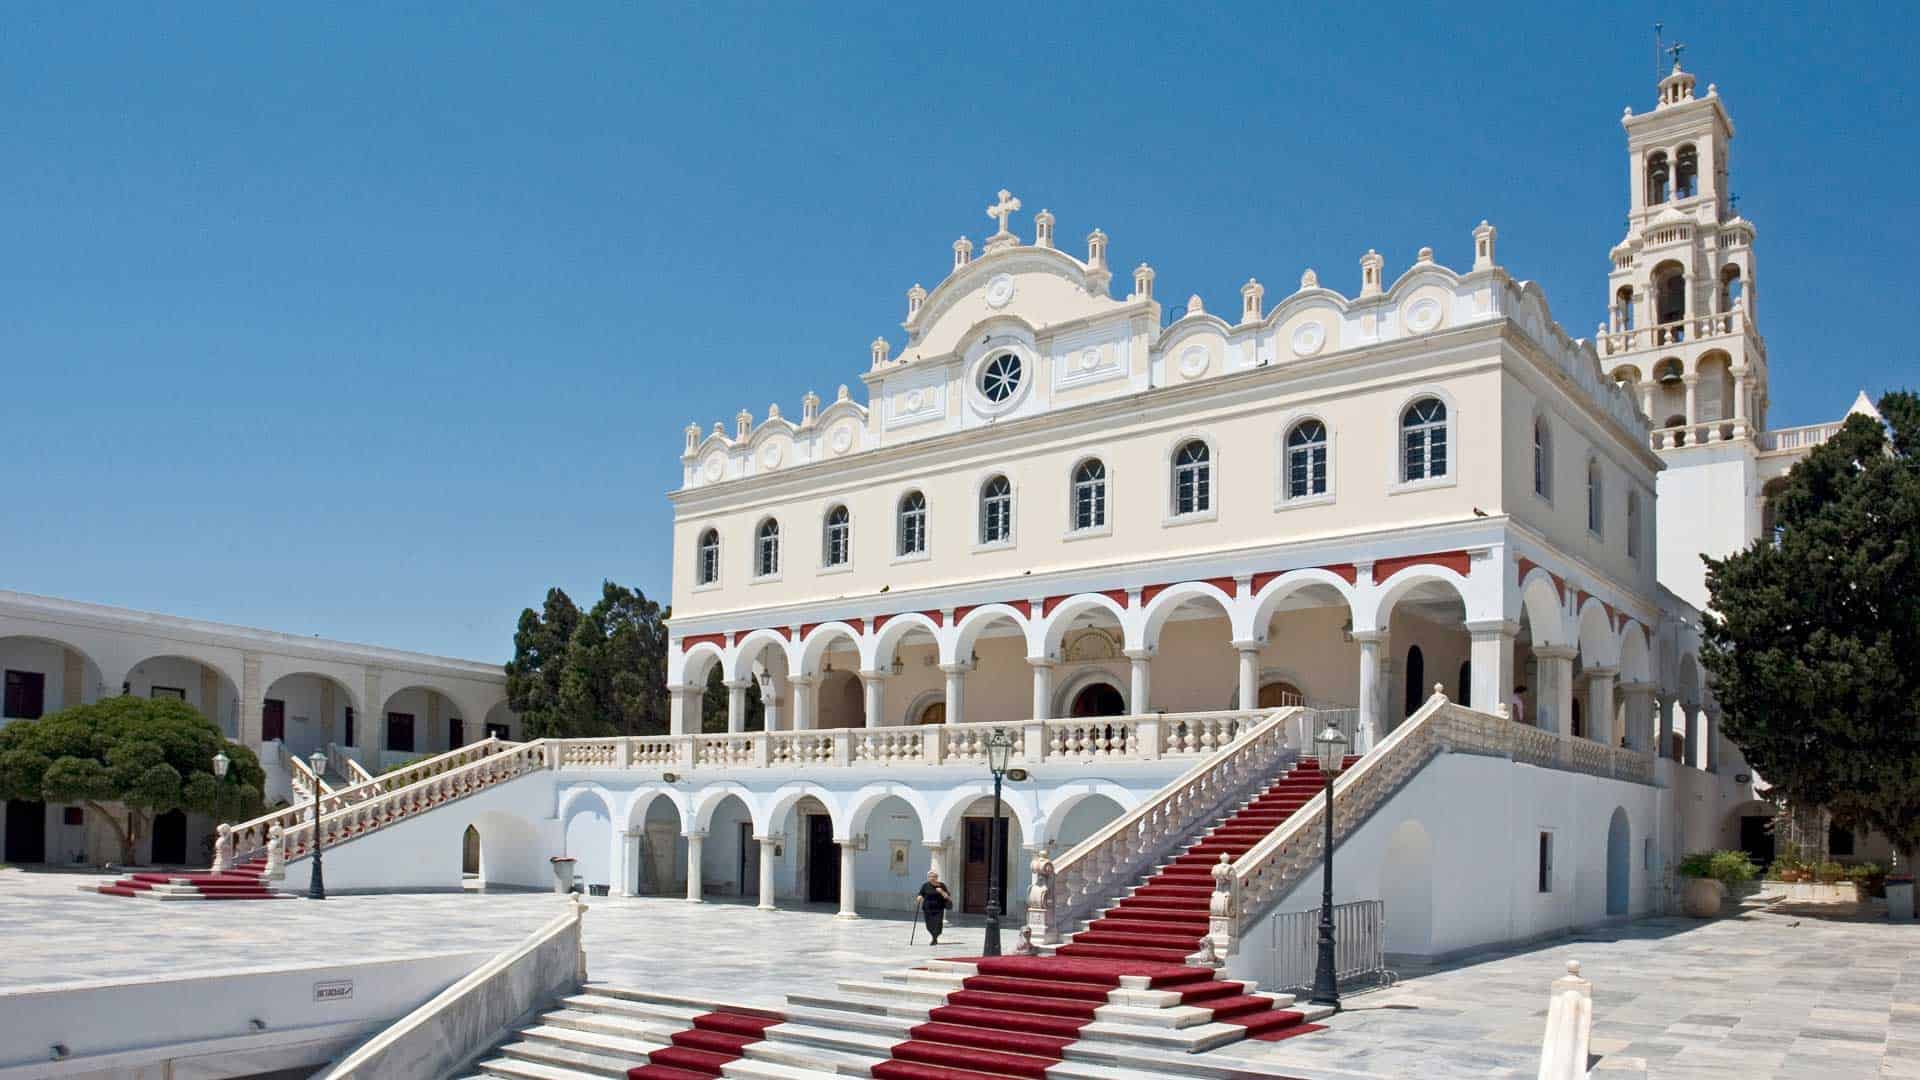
(1870, 878)
(1709, 874)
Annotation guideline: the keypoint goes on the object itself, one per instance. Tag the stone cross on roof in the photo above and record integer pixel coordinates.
(1001, 211)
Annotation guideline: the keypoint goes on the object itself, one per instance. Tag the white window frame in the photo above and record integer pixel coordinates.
(699, 559)
(1397, 484)
(980, 543)
(1284, 499)
(1543, 458)
(1102, 496)
(826, 540)
(900, 554)
(759, 546)
(1172, 468)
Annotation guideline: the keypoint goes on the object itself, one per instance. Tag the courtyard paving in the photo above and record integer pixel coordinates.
(1769, 994)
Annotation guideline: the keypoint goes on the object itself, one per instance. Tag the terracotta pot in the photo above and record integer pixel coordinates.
(1700, 897)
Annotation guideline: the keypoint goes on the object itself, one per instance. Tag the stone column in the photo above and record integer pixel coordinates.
(375, 725)
(873, 687)
(1638, 696)
(696, 844)
(1140, 682)
(937, 858)
(737, 705)
(1372, 643)
(956, 685)
(849, 850)
(683, 706)
(1042, 686)
(768, 845)
(1249, 653)
(803, 700)
(1646, 400)
(1555, 695)
(253, 696)
(629, 872)
(1693, 735)
(1692, 382)
(1491, 656)
(1600, 706)
(1740, 403)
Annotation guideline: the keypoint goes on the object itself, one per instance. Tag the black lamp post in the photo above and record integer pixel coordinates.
(999, 749)
(317, 886)
(1330, 747)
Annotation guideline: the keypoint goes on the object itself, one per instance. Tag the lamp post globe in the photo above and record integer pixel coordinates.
(1330, 751)
(220, 764)
(999, 752)
(316, 885)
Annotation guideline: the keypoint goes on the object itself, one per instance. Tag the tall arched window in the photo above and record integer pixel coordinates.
(1416, 679)
(1090, 495)
(1596, 498)
(836, 547)
(996, 511)
(766, 548)
(1307, 460)
(1542, 458)
(913, 525)
(1657, 179)
(1623, 306)
(1686, 173)
(1192, 478)
(706, 567)
(1423, 440)
(1633, 525)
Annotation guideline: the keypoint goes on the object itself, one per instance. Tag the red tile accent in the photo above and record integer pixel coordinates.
(691, 640)
(1146, 597)
(1352, 574)
(879, 621)
(1456, 561)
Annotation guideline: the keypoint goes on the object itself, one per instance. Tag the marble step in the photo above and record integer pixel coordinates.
(588, 1039)
(822, 1030)
(542, 1052)
(811, 1058)
(622, 1005)
(697, 1006)
(515, 1069)
(635, 1028)
(752, 1069)
(862, 1005)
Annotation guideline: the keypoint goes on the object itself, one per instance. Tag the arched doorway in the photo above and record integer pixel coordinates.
(936, 713)
(1279, 695)
(1416, 679)
(1619, 863)
(1098, 699)
(170, 838)
(588, 830)
(470, 853)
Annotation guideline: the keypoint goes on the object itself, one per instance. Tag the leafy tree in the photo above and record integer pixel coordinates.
(714, 706)
(602, 672)
(1814, 637)
(149, 755)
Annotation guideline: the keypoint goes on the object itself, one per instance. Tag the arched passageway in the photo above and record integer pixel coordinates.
(662, 857)
(305, 711)
(1619, 863)
(588, 828)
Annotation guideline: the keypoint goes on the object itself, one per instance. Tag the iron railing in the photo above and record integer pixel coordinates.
(1359, 951)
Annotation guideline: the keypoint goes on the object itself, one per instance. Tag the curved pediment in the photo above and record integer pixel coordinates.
(1039, 287)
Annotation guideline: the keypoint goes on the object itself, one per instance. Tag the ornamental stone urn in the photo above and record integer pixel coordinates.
(1700, 897)
(562, 874)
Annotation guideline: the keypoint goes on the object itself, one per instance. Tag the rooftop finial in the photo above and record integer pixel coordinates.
(1001, 211)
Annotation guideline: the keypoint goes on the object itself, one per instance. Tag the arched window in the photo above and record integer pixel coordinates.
(1730, 289)
(1090, 495)
(1307, 460)
(1657, 179)
(913, 524)
(766, 549)
(1423, 440)
(1416, 679)
(836, 548)
(1623, 307)
(996, 511)
(706, 568)
(1192, 478)
(1596, 498)
(1686, 173)
(1670, 295)
(1633, 525)
(1542, 458)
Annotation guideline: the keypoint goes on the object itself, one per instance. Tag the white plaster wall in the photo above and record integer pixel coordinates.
(1705, 497)
(424, 851)
(185, 674)
(49, 659)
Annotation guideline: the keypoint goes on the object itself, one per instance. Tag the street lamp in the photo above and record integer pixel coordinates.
(317, 886)
(220, 763)
(999, 749)
(1330, 747)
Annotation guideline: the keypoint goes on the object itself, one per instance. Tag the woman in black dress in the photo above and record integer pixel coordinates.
(934, 900)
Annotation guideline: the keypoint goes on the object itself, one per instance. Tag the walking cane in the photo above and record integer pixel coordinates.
(913, 920)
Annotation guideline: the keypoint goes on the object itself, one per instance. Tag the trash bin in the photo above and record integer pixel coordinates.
(562, 873)
(1900, 901)
(596, 890)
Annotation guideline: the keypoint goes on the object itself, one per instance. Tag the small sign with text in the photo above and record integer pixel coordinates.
(339, 990)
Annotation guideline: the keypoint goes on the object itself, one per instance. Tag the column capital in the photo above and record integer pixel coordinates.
(955, 669)
(1137, 654)
(853, 843)
(1636, 688)
(803, 680)
(781, 837)
(1487, 628)
(870, 675)
(737, 684)
(1249, 645)
(1370, 637)
(939, 845)
(1047, 662)
(1602, 672)
(701, 834)
(1555, 652)
(681, 688)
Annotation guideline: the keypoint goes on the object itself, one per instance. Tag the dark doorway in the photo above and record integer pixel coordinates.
(499, 731)
(400, 731)
(26, 695)
(1756, 838)
(976, 883)
(823, 861)
(749, 861)
(1416, 679)
(1463, 693)
(170, 838)
(351, 741)
(470, 851)
(457, 736)
(26, 831)
(1100, 699)
(273, 720)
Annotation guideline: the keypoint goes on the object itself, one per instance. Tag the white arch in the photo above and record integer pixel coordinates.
(1276, 592)
(1598, 646)
(709, 799)
(868, 798)
(1070, 688)
(783, 801)
(1170, 599)
(976, 621)
(954, 807)
(1059, 802)
(1540, 599)
(570, 798)
(643, 800)
(1054, 625)
(1408, 579)
(899, 626)
(170, 653)
(1635, 659)
(700, 657)
(814, 648)
(747, 650)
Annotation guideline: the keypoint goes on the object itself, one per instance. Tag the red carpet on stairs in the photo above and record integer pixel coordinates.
(246, 881)
(697, 1053)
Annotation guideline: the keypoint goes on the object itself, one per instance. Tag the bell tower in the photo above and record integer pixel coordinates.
(1680, 327)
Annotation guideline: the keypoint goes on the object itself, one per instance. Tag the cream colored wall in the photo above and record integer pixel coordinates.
(1246, 436)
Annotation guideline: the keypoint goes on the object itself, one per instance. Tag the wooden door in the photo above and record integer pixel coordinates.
(935, 713)
(823, 861)
(470, 851)
(273, 719)
(1279, 695)
(976, 874)
(26, 695)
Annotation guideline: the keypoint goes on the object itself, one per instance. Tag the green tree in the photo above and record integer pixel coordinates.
(713, 705)
(148, 755)
(601, 672)
(1814, 638)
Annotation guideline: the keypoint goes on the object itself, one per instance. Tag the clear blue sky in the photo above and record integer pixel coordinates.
(375, 324)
